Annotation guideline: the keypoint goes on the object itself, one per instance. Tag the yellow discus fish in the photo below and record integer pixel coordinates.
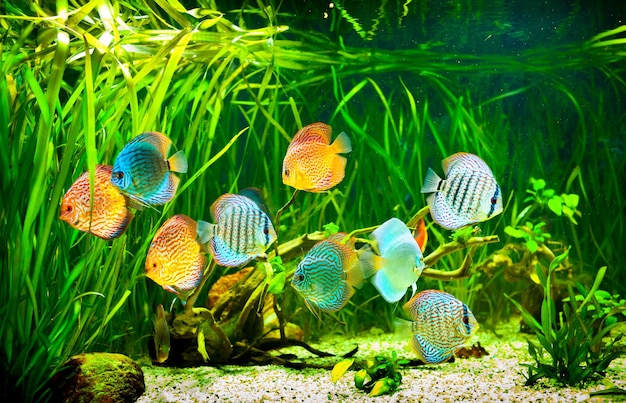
(312, 163)
(175, 259)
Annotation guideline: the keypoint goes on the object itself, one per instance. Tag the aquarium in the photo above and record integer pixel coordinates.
(321, 200)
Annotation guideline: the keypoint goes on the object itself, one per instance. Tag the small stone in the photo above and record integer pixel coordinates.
(98, 378)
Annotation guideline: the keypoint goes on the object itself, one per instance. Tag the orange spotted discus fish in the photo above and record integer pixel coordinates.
(440, 324)
(110, 215)
(327, 276)
(312, 163)
(143, 171)
(175, 259)
(468, 195)
(242, 231)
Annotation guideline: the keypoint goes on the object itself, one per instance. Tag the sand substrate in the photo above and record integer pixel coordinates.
(497, 377)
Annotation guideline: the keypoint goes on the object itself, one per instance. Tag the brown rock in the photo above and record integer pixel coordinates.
(98, 378)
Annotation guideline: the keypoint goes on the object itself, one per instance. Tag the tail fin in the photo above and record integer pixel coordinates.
(400, 253)
(204, 231)
(342, 144)
(178, 162)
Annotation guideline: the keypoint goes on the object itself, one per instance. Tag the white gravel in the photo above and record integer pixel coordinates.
(496, 377)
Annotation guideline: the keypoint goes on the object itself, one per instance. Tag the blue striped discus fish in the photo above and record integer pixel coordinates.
(242, 231)
(328, 275)
(468, 195)
(143, 171)
(440, 325)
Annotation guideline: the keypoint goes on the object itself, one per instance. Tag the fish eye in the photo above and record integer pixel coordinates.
(494, 200)
(266, 231)
(119, 175)
(286, 172)
(298, 277)
(68, 208)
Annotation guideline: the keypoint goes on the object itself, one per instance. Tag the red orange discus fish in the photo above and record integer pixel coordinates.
(312, 163)
(109, 216)
(175, 259)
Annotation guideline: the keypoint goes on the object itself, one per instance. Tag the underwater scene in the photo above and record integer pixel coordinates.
(266, 200)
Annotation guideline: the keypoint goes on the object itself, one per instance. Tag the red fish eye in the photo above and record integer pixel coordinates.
(68, 209)
(493, 200)
(266, 231)
(154, 265)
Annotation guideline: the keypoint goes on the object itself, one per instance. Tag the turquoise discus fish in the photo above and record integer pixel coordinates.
(468, 195)
(242, 231)
(440, 325)
(143, 171)
(328, 275)
(400, 264)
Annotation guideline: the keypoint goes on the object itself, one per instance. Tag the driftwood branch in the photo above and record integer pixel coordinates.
(451, 247)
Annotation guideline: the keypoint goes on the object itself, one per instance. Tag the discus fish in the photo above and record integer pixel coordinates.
(161, 336)
(328, 275)
(468, 195)
(440, 324)
(143, 171)
(242, 231)
(398, 261)
(175, 259)
(312, 163)
(109, 215)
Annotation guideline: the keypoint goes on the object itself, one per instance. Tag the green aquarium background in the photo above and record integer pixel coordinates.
(535, 89)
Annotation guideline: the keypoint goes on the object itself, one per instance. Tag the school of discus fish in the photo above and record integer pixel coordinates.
(331, 272)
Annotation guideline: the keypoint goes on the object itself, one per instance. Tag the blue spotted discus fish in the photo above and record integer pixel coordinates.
(328, 275)
(242, 231)
(440, 324)
(143, 171)
(468, 195)
(398, 262)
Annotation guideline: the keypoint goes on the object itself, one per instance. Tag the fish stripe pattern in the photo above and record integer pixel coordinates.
(441, 324)
(321, 276)
(469, 194)
(242, 231)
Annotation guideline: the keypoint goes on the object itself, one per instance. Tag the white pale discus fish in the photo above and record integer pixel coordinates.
(469, 194)
(401, 261)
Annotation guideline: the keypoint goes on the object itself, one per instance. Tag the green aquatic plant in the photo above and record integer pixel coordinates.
(377, 376)
(572, 339)
(80, 80)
